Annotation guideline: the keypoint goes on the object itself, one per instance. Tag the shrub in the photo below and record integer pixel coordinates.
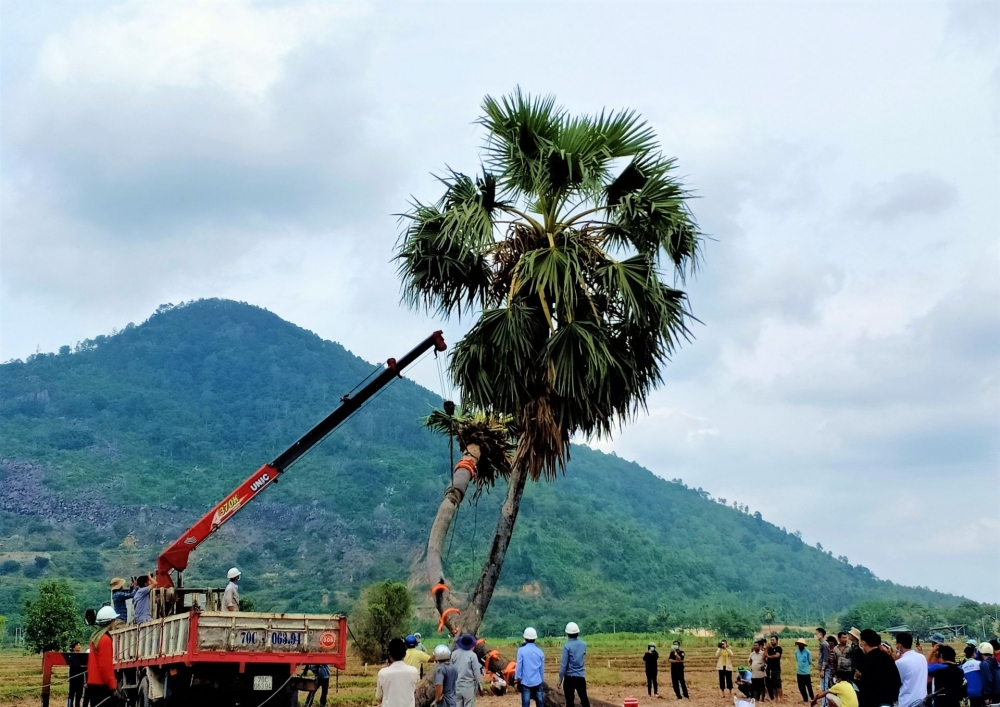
(10, 567)
(383, 614)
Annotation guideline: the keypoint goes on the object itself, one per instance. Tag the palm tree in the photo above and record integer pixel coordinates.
(558, 249)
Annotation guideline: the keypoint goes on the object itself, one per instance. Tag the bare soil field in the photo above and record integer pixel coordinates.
(614, 672)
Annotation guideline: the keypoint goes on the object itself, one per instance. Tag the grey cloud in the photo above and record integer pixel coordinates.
(952, 353)
(903, 196)
(181, 157)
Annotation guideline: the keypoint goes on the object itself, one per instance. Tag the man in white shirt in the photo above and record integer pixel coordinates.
(231, 597)
(397, 682)
(912, 668)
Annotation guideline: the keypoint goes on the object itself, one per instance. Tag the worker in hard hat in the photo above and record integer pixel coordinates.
(415, 657)
(420, 642)
(469, 670)
(231, 597)
(530, 671)
(571, 670)
(445, 678)
(101, 680)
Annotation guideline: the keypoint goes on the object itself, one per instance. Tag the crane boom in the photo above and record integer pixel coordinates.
(175, 556)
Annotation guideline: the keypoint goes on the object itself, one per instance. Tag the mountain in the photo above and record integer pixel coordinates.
(111, 449)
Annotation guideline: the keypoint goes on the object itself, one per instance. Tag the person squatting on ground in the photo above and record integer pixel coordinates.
(724, 664)
(912, 667)
(758, 670)
(676, 660)
(398, 681)
(530, 671)
(772, 678)
(842, 694)
(101, 680)
(445, 678)
(651, 661)
(468, 670)
(744, 681)
(572, 673)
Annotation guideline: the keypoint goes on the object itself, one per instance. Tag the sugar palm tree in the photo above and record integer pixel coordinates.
(558, 249)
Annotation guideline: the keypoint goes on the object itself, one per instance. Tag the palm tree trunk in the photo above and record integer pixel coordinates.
(453, 496)
(501, 541)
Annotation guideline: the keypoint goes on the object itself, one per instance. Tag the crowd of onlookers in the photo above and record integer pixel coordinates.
(463, 671)
(854, 669)
(858, 669)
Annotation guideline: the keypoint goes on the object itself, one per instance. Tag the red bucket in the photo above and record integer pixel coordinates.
(631, 702)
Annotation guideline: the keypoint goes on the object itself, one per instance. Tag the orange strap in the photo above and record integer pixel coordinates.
(509, 671)
(444, 615)
(438, 588)
(467, 463)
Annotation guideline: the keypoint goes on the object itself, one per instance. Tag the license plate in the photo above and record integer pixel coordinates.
(262, 682)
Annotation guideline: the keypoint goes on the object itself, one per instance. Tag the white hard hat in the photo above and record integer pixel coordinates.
(986, 648)
(106, 615)
(233, 573)
(442, 652)
(572, 629)
(530, 634)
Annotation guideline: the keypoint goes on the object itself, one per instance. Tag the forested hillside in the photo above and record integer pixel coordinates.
(110, 449)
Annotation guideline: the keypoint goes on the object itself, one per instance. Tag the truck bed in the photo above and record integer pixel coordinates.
(233, 637)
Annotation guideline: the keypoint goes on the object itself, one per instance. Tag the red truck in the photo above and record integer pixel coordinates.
(191, 652)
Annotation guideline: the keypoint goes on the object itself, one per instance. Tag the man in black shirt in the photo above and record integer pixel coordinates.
(772, 678)
(877, 676)
(650, 658)
(77, 675)
(676, 659)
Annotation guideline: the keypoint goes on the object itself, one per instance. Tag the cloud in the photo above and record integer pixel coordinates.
(905, 195)
(846, 371)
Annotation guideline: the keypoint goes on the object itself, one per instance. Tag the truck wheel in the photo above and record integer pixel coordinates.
(142, 694)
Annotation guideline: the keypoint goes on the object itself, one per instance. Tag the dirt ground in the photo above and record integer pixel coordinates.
(614, 672)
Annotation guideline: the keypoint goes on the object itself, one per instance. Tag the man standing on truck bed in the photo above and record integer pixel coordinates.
(101, 680)
(231, 598)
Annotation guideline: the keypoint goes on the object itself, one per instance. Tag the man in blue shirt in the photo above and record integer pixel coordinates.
(322, 673)
(571, 668)
(530, 671)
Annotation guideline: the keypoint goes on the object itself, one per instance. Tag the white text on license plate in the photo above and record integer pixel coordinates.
(262, 682)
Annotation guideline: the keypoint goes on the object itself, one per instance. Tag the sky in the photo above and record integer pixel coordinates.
(845, 156)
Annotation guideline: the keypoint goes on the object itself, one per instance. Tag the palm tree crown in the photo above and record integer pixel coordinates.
(559, 251)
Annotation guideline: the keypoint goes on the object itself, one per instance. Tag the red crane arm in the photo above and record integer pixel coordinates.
(175, 556)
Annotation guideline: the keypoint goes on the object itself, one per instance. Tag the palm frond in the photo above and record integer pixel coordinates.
(494, 435)
(569, 340)
(439, 269)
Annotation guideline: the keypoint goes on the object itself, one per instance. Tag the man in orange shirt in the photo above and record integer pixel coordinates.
(101, 681)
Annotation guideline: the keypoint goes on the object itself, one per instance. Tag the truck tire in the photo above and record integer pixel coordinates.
(142, 694)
